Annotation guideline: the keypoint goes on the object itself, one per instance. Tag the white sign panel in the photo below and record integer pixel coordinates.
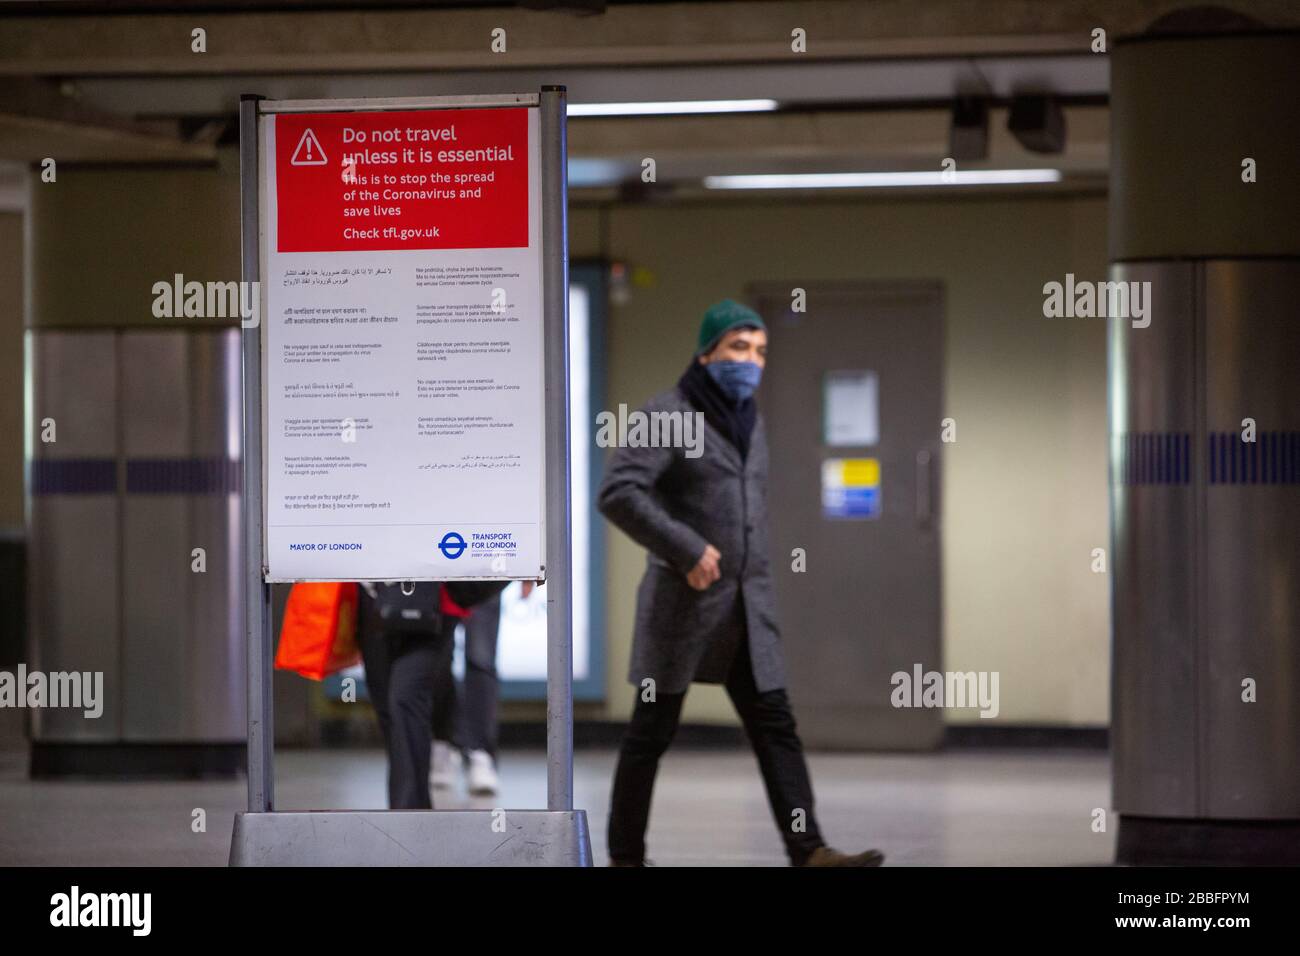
(402, 341)
(851, 408)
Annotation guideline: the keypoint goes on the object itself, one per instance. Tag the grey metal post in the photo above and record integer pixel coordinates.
(257, 598)
(555, 329)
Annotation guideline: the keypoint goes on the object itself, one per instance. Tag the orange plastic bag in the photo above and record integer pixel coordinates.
(319, 633)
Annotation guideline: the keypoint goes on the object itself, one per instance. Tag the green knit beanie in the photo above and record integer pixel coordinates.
(721, 318)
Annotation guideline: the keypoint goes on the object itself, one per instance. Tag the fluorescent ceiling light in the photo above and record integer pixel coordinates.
(671, 106)
(973, 177)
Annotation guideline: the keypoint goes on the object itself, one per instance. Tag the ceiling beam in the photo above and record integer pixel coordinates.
(332, 41)
(867, 135)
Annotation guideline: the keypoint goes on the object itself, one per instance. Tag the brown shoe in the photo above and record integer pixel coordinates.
(825, 856)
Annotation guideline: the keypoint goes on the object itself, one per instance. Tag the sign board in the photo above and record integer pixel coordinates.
(850, 408)
(402, 344)
(406, 408)
(851, 488)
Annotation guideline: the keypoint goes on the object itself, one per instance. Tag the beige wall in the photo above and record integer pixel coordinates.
(11, 412)
(1026, 480)
(11, 370)
(12, 721)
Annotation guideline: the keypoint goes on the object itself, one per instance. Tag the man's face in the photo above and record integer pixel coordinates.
(739, 345)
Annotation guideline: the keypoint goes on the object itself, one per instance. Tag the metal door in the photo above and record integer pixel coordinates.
(853, 399)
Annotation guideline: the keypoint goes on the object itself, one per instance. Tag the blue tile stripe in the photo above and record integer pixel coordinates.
(1165, 458)
(144, 476)
(1155, 458)
(73, 476)
(1272, 459)
(183, 476)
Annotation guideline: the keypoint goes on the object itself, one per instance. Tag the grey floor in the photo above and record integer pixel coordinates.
(1011, 808)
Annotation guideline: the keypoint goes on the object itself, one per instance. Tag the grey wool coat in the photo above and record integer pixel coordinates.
(674, 505)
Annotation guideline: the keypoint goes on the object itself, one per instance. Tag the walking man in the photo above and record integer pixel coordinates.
(705, 605)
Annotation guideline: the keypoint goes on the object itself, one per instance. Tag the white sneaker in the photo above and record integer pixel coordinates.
(446, 767)
(482, 774)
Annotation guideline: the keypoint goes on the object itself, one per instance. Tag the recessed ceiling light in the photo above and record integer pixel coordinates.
(668, 107)
(972, 177)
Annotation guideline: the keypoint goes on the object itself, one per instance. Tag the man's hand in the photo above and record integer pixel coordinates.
(706, 570)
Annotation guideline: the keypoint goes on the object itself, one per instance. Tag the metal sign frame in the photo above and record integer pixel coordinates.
(265, 836)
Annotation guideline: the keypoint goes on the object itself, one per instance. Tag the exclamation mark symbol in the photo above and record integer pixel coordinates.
(308, 152)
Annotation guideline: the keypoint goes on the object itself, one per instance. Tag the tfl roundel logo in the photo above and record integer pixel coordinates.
(452, 545)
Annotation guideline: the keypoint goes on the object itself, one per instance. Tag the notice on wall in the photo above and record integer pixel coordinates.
(850, 408)
(402, 342)
(851, 488)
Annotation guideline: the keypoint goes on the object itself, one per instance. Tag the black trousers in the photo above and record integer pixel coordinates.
(401, 675)
(769, 725)
(468, 718)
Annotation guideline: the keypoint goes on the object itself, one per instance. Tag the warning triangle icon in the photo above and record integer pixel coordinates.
(308, 151)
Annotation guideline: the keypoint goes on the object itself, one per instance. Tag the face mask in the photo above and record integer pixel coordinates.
(738, 379)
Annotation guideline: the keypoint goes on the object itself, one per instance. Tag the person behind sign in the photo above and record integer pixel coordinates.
(705, 606)
(465, 722)
(405, 632)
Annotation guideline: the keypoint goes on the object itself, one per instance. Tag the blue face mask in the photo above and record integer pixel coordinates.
(738, 379)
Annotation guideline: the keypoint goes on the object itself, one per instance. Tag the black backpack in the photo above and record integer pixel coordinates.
(415, 607)
(411, 607)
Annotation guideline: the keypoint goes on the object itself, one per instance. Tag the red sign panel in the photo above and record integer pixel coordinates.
(419, 179)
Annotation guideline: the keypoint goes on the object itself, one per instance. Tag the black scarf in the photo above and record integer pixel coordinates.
(734, 420)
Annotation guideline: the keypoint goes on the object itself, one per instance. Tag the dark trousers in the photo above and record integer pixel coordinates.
(769, 725)
(401, 673)
(469, 718)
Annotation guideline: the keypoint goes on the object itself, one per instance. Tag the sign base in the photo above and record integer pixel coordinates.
(412, 838)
